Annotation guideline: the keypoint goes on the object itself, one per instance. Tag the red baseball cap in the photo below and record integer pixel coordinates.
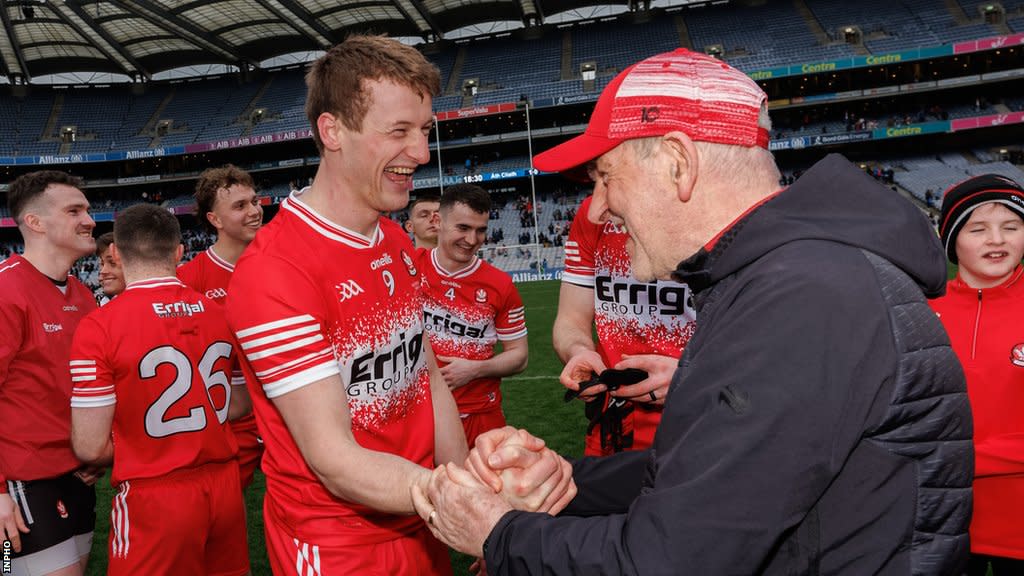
(680, 90)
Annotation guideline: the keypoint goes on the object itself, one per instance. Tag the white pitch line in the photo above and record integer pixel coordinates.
(529, 378)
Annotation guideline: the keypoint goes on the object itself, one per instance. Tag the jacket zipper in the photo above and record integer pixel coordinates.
(977, 321)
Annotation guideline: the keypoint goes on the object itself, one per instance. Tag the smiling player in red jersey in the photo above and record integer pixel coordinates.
(470, 307)
(227, 205)
(47, 498)
(326, 309)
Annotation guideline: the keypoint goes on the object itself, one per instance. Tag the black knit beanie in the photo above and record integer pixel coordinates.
(959, 201)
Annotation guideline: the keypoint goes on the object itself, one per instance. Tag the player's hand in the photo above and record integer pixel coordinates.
(11, 522)
(579, 369)
(652, 390)
(89, 475)
(460, 511)
(529, 476)
(489, 443)
(536, 481)
(458, 372)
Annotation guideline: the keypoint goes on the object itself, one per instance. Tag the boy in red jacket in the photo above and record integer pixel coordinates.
(982, 229)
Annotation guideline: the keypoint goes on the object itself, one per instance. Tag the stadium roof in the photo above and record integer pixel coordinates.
(139, 38)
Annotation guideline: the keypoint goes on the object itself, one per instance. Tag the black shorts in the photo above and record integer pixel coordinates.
(54, 509)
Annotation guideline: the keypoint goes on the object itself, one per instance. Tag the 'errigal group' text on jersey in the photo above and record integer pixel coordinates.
(632, 317)
(310, 300)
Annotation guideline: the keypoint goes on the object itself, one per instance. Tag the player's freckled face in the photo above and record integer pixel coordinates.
(381, 159)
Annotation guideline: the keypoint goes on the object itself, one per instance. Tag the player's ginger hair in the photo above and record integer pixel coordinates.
(335, 82)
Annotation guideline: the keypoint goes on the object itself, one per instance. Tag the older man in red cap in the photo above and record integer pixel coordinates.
(818, 420)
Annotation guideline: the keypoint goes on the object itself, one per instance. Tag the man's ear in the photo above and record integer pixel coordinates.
(214, 220)
(115, 255)
(33, 222)
(328, 126)
(684, 163)
(179, 253)
(408, 225)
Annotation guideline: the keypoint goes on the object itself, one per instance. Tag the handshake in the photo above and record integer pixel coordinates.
(507, 469)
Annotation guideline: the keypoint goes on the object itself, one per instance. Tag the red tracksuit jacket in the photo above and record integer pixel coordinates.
(986, 328)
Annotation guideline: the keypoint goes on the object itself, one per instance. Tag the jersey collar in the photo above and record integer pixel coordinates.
(219, 261)
(325, 227)
(155, 283)
(462, 273)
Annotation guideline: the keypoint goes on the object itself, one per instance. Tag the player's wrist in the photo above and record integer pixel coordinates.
(579, 349)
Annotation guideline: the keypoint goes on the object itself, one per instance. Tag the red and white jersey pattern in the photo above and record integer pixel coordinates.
(163, 355)
(312, 300)
(466, 313)
(632, 317)
(37, 323)
(208, 274)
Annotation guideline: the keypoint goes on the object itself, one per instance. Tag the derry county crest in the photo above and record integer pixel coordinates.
(481, 295)
(408, 263)
(1017, 355)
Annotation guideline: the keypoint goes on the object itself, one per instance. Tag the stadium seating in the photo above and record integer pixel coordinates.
(506, 68)
(615, 45)
(920, 174)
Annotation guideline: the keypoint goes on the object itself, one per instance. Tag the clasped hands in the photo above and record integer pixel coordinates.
(507, 469)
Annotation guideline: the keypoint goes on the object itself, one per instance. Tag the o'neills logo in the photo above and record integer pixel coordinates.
(177, 309)
(382, 261)
(1017, 355)
(71, 308)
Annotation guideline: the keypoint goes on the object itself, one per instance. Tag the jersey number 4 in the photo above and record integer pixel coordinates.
(157, 424)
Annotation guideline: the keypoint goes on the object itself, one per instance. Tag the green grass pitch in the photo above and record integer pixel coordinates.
(533, 400)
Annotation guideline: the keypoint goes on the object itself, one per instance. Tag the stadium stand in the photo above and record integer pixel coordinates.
(762, 45)
(506, 69)
(615, 45)
(544, 64)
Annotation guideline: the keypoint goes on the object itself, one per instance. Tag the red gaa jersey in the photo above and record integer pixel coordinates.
(466, 313)
(37, 322)
(632, 317)
(311, 300)
(162, 354)
(207, 274)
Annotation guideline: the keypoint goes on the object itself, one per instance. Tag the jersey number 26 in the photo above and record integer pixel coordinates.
(157, 425)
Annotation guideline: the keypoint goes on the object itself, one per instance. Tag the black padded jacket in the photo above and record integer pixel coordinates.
(818, 422)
